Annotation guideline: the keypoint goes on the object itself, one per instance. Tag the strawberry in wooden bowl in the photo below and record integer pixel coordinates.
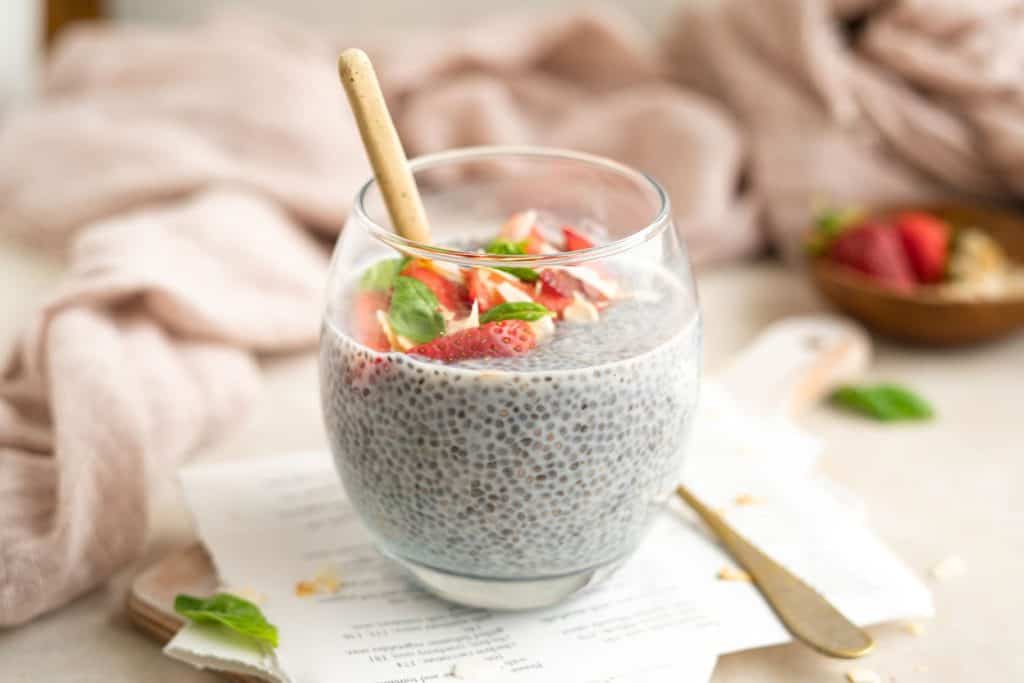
(939, 275)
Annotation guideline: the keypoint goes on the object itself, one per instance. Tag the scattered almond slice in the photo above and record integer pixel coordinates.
(580, 310)
(747, 499)
(397, 341)
(863, 676)
(949, 568)
(914, 628)
(304, 589)
(326, 582)
(733, 574)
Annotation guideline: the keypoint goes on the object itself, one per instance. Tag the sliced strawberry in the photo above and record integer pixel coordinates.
(874, 249)
(446, 291)
(485, 288)
(482, 289)
(553, 301)
(574, 240)
(367, 328)
(492, 340)
(926, 241)
(559, 282)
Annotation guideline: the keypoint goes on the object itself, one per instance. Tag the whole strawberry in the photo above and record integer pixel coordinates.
(926, 241)
(492, 340)
(875, 249)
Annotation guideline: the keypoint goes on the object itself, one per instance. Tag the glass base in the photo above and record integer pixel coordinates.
(506, 594)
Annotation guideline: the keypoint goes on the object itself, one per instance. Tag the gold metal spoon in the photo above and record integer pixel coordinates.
(803, 611)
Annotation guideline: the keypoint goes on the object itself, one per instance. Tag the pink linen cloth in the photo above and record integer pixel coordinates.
(192, 177)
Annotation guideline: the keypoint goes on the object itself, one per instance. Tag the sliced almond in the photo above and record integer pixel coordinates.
(469, 322)
(543, 328)
(728, 573)
(747, 499)
(863, 676)
(587, 276)
(580, 310)
(511, 293)
(397, 341)
(304, 589)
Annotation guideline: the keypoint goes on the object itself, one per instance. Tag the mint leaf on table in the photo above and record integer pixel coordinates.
(231, 611)
(884, 402)
(507, 248)
(515, 310)
(415, 312)
(380, 277)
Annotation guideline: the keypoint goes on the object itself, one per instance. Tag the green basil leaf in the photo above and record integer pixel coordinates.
(231, 611)
(885, 402)
(415, 311)
(515, 310)
(507, 248)
(380, 277)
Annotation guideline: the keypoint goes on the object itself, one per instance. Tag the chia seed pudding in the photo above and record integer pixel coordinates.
(523, 466)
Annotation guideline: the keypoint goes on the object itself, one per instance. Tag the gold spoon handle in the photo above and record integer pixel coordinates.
(804, 612)
(383, 147)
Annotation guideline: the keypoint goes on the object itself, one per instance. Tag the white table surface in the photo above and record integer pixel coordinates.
(949, 487)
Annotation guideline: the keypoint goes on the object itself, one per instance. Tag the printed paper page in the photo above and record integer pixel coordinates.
(272, 523)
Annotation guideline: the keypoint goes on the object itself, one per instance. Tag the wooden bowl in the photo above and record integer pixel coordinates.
(924, 316)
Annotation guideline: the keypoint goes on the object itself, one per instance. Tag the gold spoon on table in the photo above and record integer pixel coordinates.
(792, 364)
(804, 612)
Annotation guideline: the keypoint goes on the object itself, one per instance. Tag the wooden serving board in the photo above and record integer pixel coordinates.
(788, 367)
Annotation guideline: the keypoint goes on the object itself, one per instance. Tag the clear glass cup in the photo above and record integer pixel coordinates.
(514, 482)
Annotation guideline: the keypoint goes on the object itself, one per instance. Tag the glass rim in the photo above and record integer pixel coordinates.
(419, 249)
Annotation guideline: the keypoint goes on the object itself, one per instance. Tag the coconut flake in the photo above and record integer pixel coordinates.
(580, 310)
